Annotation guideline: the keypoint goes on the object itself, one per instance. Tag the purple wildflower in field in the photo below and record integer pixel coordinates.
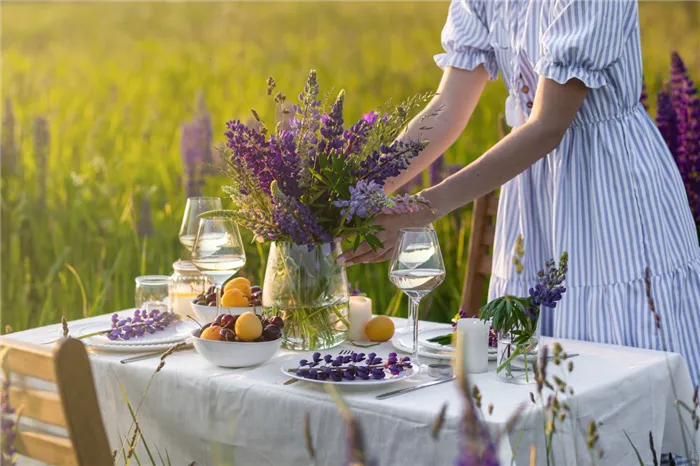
(437, 171)
(8, 148)
(678, 120)
(193, 144)
(41, 155)
(644, 97)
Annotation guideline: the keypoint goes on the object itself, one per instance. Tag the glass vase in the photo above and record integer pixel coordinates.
(517, 363)
(309, 290)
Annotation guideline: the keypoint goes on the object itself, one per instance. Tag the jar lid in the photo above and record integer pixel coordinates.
(184, 266)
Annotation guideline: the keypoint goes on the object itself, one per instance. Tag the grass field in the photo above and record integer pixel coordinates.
(114, 82)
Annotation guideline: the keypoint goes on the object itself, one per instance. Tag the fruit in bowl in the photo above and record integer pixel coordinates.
(238, 296)
(239, 341)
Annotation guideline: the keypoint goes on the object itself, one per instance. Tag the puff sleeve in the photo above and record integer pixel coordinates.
(465, 38)
(583, 38)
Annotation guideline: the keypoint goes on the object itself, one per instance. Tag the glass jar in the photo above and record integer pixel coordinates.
(517, 363)
(185, 284)
(151, 291)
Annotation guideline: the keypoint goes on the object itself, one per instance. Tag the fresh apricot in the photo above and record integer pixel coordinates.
(248, 327)
(234, 298)
(380, 328)
(211, 333)
(238, 283)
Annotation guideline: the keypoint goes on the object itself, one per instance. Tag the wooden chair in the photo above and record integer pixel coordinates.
(483, 231)
(74, 407)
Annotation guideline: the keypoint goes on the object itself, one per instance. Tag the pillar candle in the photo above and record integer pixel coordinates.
(474, 334)
(359, 314)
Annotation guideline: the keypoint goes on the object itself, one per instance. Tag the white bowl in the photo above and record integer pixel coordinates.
(235, 353)
(207, 314)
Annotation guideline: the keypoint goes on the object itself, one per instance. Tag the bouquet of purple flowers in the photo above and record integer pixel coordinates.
(317, 179)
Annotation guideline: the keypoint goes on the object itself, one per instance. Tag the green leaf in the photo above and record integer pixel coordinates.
(373, 242)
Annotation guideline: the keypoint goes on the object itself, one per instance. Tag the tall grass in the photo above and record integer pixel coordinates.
(112, 82)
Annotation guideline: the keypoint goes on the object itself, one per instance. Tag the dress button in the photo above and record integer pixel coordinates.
(529, 104)
(525, 89)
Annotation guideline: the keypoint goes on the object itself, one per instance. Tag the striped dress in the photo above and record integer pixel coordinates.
(610, 194)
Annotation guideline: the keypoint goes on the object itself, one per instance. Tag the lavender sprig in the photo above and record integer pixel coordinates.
(141, 323)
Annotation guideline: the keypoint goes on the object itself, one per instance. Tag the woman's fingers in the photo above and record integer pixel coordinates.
(372, 257)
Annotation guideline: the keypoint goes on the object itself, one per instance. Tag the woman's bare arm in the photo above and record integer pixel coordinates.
(553, 111)
(456, 98)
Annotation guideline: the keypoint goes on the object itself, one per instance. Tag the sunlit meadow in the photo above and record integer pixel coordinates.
(94, 96)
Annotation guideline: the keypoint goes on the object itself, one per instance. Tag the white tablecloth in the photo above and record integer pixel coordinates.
(215, 416)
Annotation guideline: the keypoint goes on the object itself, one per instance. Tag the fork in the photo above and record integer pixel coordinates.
(344, 352)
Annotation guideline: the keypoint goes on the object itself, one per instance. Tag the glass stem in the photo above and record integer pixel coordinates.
(218, 299)
(413, 305)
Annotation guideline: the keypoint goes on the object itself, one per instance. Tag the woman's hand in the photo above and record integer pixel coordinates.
(391, 224)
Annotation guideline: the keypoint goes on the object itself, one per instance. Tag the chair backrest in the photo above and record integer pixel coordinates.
(73, 407)
(483, 231)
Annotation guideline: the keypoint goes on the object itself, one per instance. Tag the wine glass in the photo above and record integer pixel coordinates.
(218, 251)
(416, 269)
(190, 220)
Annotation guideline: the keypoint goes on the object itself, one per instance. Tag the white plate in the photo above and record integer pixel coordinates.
(389, 379)
(173, 333)
(131, 348)
(402, 342)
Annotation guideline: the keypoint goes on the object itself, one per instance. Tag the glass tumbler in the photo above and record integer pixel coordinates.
(151, 291)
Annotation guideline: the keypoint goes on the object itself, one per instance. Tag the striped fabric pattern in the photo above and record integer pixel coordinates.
(610, 194)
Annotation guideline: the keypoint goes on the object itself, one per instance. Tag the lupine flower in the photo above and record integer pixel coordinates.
(678, 120)
(192, 157)
(549, 289)
(9, 151)
(404, 204)
(332, 128)
(643, 97)
(366, 198)
(389, 161)
(296, 219)
(41, 154)
(437, 171)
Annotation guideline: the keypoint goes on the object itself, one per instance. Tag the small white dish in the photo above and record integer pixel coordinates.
(289, 368)
(234, 353)
(207, 314)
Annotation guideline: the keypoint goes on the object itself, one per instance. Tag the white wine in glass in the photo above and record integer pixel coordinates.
(416, 269)
(218, 251)
(190, 220)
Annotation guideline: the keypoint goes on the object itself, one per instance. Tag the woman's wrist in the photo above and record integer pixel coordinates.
(436, 202)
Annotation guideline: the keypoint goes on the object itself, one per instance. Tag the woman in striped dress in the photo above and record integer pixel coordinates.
(584, 169)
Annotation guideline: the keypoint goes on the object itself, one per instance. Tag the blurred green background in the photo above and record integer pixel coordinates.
(96, 198)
